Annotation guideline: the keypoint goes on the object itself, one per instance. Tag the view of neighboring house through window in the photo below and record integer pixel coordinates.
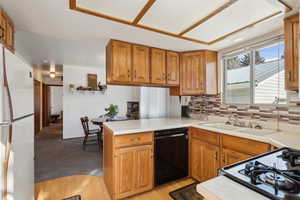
(256, 76)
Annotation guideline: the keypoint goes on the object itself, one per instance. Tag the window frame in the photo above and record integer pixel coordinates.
(251, 50)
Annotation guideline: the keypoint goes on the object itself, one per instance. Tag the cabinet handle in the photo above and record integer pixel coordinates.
(290, 75)
(135, 74)
(163, 76)
(223, 158)
(216, 156)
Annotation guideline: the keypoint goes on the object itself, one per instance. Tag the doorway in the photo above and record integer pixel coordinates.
(52, 105)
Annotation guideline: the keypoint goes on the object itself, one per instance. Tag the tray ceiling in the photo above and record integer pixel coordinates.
(202, 21)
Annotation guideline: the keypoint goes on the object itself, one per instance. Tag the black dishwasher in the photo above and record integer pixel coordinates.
(171, 155)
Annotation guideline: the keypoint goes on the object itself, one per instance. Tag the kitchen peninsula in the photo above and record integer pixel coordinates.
(129, 150)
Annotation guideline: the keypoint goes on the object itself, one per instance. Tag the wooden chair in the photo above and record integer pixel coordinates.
(89, 132)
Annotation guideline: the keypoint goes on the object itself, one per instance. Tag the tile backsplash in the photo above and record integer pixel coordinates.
(212, 105)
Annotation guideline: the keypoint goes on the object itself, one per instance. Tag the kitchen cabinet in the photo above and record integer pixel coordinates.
(229, 157)
(118, 62)
(8, 31)
(291, 35)
(173, 68)
(158, 66)
(198, 74)
(204, 160)
(141, 64)
(128, 163)
(204, 154)
(209, 151)
(134, 167)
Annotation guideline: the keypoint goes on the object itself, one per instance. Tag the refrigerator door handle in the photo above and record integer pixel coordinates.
(5, 123)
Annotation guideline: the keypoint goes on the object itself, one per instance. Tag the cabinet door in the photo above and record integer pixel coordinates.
(3, 25)
(158, 66)
(173, 69)
(144, 168)
(125, 172)
(196, 151)
(291, 35)
(9, 39)
(193, 74)
(204, 160)
(229, 157)
(210, 159)
(141, 64)
(134, 170)
(121, 62)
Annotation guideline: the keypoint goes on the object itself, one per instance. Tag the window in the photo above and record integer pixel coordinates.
(255, 76)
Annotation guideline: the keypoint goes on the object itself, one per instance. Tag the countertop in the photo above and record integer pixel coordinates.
(219, 188)
(145, 125)
(278, 139)
(222, 188)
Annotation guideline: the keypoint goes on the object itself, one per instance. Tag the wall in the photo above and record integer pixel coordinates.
(56, 94)
(92, 105)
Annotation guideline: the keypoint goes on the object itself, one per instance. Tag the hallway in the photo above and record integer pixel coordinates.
(55, 158)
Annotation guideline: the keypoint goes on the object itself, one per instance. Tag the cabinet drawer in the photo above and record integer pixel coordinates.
(204, 135)
(134, 139)
(244, 145)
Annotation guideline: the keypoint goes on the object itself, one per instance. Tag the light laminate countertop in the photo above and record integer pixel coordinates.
(278, 139)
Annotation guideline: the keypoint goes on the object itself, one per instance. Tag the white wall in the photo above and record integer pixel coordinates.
(56, 94)
(91, 105)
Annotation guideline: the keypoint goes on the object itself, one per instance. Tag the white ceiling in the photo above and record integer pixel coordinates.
(176, 15)
(48, 29)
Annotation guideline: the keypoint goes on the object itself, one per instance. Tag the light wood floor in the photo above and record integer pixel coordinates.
(93, 188)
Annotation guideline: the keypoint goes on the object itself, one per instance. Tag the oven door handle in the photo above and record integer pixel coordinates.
(169, 136)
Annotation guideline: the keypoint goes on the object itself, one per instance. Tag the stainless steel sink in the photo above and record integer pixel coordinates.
(220, 126)
(258, 132)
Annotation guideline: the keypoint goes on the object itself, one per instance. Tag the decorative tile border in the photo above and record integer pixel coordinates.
(212, 105)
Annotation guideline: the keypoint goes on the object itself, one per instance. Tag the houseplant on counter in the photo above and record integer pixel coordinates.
(112, 111)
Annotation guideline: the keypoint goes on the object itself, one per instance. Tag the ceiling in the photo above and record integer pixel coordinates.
(50, 30)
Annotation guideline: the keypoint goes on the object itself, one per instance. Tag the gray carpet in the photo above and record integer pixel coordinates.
(56, 158)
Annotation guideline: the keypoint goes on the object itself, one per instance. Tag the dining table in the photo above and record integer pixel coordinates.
(99, 121)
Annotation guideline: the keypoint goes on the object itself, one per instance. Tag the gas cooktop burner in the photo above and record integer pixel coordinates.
(278, 181)
(291, 156)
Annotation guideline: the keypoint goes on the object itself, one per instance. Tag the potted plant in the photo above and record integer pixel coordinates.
(112, 111)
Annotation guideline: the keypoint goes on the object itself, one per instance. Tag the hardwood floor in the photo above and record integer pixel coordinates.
(93, 188)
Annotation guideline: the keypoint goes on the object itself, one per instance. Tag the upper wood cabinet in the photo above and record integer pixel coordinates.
(188, 73)
(192, 73)
(173, 68)
(8, 30)
(141, 64)
(158, 66)
(118, 62)
(291, 35)
(198, 74)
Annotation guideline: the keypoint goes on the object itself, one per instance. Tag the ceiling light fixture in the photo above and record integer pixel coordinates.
(238, 39)
(52, 74)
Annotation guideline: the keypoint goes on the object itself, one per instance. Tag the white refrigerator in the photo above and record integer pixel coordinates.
(16, 128)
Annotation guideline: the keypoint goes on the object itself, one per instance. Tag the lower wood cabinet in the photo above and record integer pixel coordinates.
(134, 170)
(229, 157)
(210, 151)
(128, 163)
(204, 160)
